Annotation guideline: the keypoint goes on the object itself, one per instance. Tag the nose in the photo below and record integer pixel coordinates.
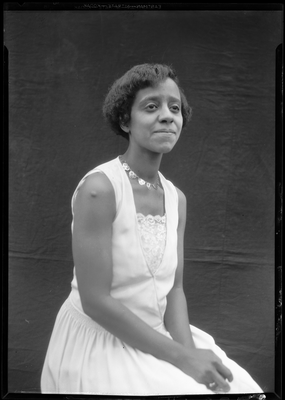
(165, 115)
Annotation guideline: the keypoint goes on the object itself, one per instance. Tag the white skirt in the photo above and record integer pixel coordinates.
(83, 358)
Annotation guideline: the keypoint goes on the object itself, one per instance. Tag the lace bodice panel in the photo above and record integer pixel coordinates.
(152, 231)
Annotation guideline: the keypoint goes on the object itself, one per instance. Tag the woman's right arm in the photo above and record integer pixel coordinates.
(94, 213)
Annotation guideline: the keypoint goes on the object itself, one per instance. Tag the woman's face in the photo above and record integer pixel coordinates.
(156, 118)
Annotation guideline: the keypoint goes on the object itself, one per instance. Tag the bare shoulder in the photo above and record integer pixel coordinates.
(96, 193)
(182, 201)
(182, 206)
(97, 184)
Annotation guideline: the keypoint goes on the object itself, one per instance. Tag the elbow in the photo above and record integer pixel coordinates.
(96, 308)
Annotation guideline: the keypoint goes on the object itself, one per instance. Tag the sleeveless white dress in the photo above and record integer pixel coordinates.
(84, 358)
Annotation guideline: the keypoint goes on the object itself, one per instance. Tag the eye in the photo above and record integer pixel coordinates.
(151, 107)
(175, 108)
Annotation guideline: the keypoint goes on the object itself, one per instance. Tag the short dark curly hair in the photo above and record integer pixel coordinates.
(120, 98)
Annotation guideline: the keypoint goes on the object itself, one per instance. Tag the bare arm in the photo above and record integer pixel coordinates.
(94, 212)
(205, 368)
(176, 315)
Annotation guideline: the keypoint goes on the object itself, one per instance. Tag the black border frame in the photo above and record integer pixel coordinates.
(279, 82)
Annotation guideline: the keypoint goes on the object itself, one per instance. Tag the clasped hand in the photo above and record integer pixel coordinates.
(206, 368)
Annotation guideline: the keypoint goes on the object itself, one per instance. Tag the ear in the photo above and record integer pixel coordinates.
(124, 125)
(125, 128)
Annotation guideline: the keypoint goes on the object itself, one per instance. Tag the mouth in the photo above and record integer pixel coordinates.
(164, 131)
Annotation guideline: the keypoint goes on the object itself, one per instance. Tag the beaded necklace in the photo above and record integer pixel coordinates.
(141, 181)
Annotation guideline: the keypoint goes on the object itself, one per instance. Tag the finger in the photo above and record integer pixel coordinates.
(212, 386)
(224, 371)
(222, 384)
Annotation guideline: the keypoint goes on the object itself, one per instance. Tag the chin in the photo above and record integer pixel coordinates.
(164, 149)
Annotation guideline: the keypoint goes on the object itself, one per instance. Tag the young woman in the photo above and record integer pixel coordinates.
(124, 329)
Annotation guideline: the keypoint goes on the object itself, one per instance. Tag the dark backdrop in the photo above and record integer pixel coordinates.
(60, 67)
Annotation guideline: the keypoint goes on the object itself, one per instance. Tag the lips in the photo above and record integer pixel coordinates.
(164, 131)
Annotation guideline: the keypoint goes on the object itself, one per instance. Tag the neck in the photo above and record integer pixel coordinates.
(146, 165)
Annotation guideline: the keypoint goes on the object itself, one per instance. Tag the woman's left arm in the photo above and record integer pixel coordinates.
(176, 315)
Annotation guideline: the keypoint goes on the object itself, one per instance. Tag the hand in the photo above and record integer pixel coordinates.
(207, 368)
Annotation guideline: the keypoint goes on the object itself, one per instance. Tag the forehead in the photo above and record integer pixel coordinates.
(164, 89)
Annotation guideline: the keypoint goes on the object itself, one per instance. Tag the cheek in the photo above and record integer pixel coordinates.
(180, 122)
